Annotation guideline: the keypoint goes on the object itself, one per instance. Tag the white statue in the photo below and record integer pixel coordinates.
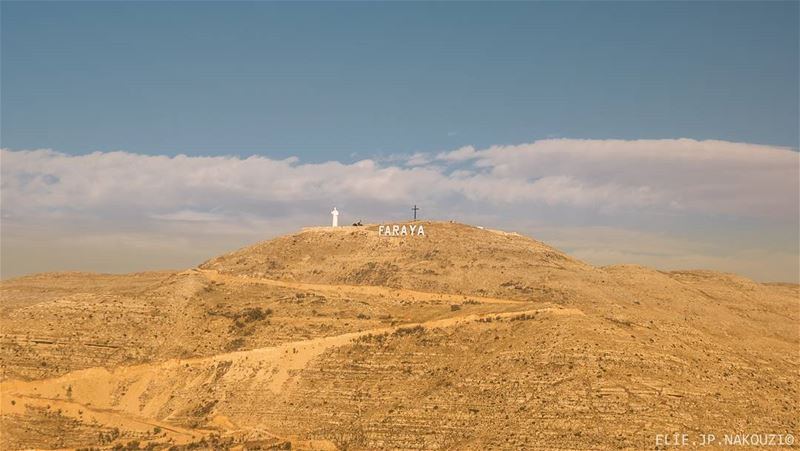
(335, 214)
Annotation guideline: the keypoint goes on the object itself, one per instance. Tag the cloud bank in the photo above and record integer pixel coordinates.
(148, 207)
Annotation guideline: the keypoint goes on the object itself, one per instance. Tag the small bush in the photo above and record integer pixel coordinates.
(235, 344)
(522, 317)
(418, 329)
(254, 314)
(368, 338)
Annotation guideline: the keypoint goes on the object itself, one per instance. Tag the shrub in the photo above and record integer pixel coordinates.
(235, 344)
(418, 329)
(377, 338)
(254, 314)
(522, 317)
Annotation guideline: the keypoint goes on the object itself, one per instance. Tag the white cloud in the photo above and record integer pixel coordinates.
(597, 181)
(418, 159)
(462, 154)
(704, 176)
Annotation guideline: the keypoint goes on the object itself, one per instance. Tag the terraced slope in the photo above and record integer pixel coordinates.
(450, 258)
(341, 339)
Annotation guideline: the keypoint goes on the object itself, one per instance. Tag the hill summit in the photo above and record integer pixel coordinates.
(461, 338)
(449, 258)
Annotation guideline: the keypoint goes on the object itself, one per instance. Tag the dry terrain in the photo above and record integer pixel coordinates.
(464, 338)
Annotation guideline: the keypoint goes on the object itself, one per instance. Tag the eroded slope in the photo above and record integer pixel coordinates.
(463, 339)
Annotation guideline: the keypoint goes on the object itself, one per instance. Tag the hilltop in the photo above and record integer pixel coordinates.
(450, 258)
(464, 338)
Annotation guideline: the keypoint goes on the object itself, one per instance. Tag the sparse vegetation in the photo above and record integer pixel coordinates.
(254, 314)
(247, 315)
(413, 330)
(533, 371)
(108, 436)
(374, 338)
(522, 317)
(234, 345)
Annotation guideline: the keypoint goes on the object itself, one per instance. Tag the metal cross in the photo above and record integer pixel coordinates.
(415, 211)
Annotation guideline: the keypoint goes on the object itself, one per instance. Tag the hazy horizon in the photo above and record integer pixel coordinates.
(669, 204)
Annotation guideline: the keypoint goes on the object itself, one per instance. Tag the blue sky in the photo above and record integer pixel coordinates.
(345, 81)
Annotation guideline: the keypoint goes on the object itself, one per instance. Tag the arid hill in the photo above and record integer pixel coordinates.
(464, 338)
(450, 258)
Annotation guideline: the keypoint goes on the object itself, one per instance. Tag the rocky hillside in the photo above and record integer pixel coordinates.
(343, 339)
(449, 258)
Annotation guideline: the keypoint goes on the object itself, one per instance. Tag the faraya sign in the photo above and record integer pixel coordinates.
(401, 230)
